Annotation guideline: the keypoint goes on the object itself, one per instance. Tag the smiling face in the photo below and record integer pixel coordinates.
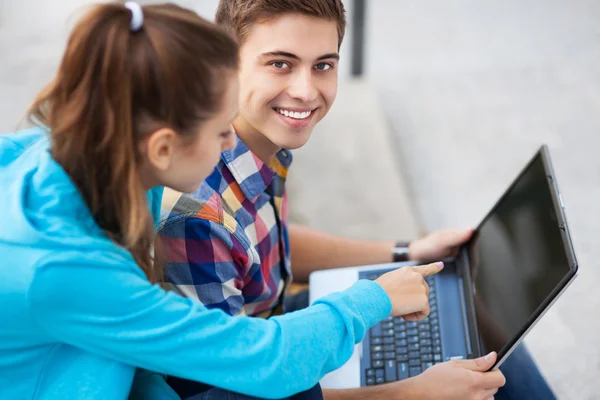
(288, 81)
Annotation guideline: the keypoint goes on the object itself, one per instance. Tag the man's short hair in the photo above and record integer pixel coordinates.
(240, 15)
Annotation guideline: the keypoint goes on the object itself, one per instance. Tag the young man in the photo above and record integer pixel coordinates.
(229, 245)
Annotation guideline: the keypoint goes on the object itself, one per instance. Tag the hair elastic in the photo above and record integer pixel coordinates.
(137, 16)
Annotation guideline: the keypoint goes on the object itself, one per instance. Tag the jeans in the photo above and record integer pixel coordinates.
(523, 379)
(220, 394)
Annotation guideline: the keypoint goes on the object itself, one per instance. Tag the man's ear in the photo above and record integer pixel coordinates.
(160, 148)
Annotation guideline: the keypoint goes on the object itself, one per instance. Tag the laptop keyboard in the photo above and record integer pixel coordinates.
(398, 349)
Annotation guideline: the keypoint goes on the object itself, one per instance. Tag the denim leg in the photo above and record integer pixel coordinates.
(219, 394)
(523, 379)
(295, 302)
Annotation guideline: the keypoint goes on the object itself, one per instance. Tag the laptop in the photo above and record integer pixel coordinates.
(517, 264)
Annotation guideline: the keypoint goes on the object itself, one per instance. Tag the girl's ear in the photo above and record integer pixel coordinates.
(159, 148)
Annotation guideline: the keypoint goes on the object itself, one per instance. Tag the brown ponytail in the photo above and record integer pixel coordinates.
(113, 88)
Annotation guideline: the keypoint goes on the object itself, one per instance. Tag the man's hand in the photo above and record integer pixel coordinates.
(452, 380)
(459, 380)
(439, 245)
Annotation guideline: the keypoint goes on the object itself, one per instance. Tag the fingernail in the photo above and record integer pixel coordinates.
(440, 264)
(489, 356)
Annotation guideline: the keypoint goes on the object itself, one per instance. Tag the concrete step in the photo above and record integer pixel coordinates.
(346, 180)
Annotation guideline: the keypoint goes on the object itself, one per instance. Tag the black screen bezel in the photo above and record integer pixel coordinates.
(544, 154)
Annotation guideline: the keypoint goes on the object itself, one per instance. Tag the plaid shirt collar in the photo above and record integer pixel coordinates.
(251, 174)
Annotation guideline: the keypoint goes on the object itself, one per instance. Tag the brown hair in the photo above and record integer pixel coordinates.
(112, 89)
(240, 15)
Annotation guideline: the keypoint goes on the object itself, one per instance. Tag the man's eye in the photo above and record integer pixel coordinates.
(280, 65)
(323, 66)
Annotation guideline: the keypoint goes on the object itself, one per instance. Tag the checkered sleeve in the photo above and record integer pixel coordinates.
(205, 261)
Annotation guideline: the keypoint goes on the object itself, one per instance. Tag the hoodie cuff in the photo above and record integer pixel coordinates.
(373, 303)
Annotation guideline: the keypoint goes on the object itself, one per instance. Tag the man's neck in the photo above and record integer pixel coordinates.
(258, 143)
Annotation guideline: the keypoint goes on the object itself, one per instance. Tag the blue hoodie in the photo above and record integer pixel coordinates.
(78, 315)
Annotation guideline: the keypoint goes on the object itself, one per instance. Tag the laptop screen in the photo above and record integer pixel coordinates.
(517, 258)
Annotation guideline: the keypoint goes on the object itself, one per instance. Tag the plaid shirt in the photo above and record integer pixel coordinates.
(223, 243)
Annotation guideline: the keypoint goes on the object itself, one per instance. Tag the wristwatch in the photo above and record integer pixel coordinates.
(400, 252)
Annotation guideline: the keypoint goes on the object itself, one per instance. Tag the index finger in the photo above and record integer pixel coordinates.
(429, 269)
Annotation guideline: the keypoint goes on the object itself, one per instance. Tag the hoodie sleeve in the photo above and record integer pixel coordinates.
(148, 385)
(106, 306)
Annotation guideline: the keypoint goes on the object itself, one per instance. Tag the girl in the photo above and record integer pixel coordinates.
(143, 98)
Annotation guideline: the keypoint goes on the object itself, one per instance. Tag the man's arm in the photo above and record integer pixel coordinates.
(393, 391)
(313, 250)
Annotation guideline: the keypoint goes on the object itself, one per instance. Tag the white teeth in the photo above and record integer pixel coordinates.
(293, 114)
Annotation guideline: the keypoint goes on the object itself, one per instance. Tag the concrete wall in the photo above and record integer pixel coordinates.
(471, 89)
